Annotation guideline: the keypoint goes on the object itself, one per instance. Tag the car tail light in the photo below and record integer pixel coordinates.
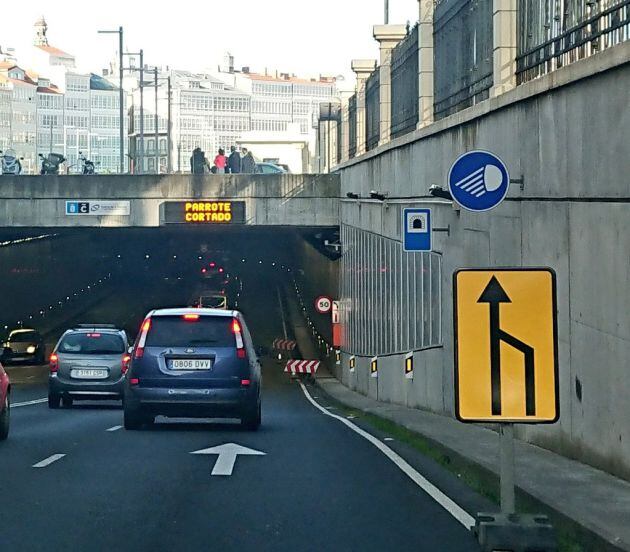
(54, 363)
(238, 334)
(144, 330)
(126, 360)
(191, 317)
(134, 381)
(246, 383)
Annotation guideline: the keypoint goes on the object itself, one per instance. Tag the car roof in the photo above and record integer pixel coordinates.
(95, 328)
(193, 310)
(23, 330)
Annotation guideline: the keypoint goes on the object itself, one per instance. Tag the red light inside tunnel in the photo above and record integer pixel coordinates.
(212, 265)
(246, 382)
(204, 270)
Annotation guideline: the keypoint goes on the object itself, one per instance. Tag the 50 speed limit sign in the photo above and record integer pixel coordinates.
(323, 304)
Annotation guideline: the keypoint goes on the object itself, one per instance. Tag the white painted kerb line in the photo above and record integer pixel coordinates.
(48, 461)
(451, 507)
(28, 403)
(115, 428)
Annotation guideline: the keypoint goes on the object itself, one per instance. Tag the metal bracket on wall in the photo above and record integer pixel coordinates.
(447, 230)
(520, 181)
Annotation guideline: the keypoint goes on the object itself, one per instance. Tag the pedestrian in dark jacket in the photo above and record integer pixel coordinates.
(198, 161)
(234, 161)
(248, 165)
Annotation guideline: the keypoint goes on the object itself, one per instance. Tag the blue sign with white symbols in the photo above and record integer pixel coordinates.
(478, 181)
(417, 229)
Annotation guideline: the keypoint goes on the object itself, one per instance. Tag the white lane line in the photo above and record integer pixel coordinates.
(48, 461)
(115, 428)
(29, 403)
(449, 505)
(388, 439)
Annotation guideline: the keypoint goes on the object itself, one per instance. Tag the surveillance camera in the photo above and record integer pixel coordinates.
(438, 191)
(352, 195)
(380, 196)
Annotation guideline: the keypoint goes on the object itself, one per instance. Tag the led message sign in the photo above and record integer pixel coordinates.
(203, 212)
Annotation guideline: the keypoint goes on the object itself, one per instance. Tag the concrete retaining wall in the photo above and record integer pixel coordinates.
(273, 200)
(568, 135)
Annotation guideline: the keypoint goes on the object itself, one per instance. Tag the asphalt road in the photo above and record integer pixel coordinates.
(318, 486)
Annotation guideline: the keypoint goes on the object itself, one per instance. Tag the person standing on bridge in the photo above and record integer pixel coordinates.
(198, 161)
(234, 161)
(220, 162)
(248, 165)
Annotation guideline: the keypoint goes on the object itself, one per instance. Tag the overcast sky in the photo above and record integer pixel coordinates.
(299, 36)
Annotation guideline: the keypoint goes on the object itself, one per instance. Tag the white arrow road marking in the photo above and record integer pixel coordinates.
(48, 461)
(115, 428)
(28, 403)
(227, 456)
(449, 505)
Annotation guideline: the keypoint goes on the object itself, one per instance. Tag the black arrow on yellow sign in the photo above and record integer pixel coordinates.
(494, 295)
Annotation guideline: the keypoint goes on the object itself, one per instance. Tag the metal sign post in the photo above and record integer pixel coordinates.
(506, 435)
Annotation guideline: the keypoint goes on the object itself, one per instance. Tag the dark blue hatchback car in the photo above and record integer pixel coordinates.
(193, 363)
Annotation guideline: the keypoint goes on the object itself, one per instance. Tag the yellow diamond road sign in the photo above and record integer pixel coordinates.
(506, 345)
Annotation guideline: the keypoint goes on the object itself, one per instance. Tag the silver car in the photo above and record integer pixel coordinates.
(89, 362)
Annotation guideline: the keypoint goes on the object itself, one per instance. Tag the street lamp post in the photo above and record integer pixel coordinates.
(121, 97)
(140, 155)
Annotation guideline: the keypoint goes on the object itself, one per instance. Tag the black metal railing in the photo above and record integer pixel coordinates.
(462, 35)
(554, 34)
(404, 106)
(352, 126)
(373, 109)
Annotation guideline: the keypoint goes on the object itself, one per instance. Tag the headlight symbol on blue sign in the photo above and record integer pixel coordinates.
(478, 181)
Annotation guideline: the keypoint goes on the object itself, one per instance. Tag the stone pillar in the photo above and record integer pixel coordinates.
(363, 68)
(425, 63)
(504, 47)
(388, 37)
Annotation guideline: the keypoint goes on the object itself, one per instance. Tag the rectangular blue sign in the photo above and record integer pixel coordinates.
(416, 229)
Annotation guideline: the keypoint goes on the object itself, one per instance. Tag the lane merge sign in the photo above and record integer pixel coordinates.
(323, 304)
(416, 229)
(506, 345)
(478, 180)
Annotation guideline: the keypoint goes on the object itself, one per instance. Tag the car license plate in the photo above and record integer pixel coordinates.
(88, 373)
(191, 364)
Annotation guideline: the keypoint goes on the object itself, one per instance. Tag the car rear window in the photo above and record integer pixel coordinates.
(24, 337)
(205, 331)
(92, 344)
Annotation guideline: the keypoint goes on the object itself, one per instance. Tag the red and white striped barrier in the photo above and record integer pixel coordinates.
(284, 344)
(302, 366)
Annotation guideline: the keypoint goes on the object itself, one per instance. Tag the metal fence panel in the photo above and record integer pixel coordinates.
(404, 106)
(352, 126)
(553, 33)
(373, 109)
(463, 43)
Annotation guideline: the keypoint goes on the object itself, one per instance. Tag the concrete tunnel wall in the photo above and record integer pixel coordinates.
(271, 200)
(568, 135)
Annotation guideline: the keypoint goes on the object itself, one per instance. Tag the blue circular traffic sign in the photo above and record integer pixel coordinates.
(478, 180)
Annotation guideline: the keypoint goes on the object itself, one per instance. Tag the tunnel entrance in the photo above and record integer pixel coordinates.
(52, 278)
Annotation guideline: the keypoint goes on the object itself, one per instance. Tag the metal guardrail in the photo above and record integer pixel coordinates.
(552, 34)
(463, 42)
(352, 126)
(404, 106)
(373, 109)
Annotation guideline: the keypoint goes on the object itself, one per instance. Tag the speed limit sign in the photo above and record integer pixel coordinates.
(323, 304)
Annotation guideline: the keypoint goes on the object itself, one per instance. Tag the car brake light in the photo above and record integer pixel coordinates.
(191, 317)
(144, 330)
(212, 265)
(238, 334)
(134, 381)
(126, 359)
(54, 363)
(246, 382)
(96, 335)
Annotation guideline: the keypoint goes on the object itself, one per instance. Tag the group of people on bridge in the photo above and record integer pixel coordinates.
(242, 162)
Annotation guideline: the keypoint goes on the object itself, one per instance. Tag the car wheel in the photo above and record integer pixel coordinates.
(53, 400)
(252, 421)
(5, 417)
(67, 402)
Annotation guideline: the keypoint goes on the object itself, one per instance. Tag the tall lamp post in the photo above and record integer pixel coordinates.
(121, 98)
(141, 148)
